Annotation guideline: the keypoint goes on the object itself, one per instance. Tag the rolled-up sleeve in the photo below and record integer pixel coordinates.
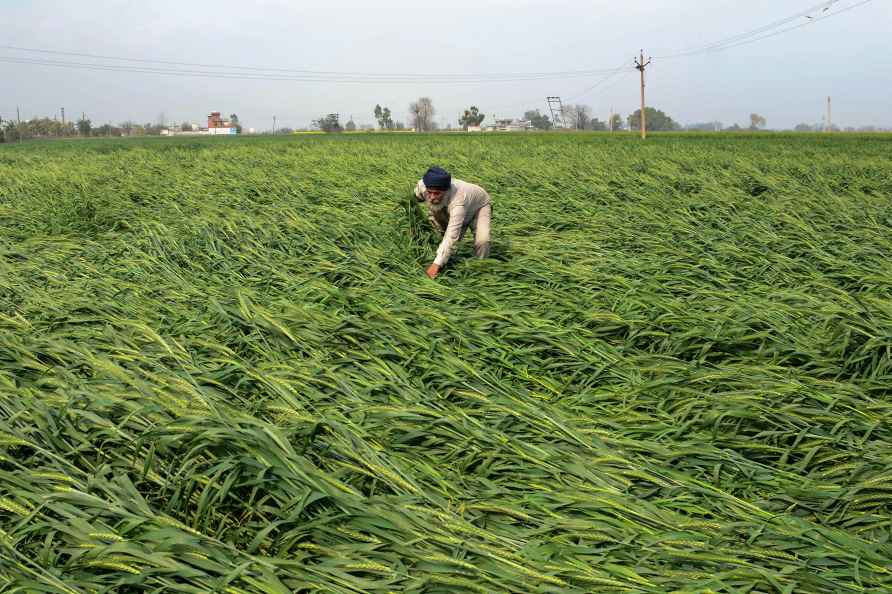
(452, 233)
(419, 191)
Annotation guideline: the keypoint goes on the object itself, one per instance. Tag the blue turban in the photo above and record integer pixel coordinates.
(437, 178)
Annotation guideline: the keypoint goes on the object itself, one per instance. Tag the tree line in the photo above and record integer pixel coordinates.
(14, 131)
(577, 117)
(37, 128)
(420, 118)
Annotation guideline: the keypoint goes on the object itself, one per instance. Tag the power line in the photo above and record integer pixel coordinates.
(755, 35)
(600, 82)
(622, 69)
(794, 27)
(301, 75)
(325, 74)
(298, 78)
(756, 31)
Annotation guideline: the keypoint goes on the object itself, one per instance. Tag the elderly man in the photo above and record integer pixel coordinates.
(453, 206)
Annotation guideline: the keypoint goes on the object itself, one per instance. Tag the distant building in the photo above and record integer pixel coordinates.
(510, 125)
(475, 129)
(217, 126)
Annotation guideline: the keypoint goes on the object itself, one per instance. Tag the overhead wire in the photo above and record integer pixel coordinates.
(164, 66)
(767, 31)
(260, 73)
(792, 28)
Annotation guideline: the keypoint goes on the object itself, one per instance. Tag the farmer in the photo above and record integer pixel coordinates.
(453, 206)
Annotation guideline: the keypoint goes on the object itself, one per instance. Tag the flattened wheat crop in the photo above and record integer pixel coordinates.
(223, 370)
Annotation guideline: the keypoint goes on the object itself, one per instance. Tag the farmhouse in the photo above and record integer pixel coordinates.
(510, 125)
(217, 126)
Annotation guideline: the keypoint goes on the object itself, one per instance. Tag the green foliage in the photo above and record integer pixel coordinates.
(597, 125)
(657, 121)
(471, 117)
(539, 121)
(757, 122)
(233, 119)
(84, 126)
(329, 123)
(616, 122)
(384, 118)
(222, 368)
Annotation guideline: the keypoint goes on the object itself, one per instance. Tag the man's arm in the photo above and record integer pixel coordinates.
(451, 235)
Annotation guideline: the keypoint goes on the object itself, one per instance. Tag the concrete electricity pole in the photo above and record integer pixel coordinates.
(640, 64)
(274, 125)
(829, 119)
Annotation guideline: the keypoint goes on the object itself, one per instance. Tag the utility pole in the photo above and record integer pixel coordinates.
(610, 121)
(640, 64)
(274, 125)
(63, 116)
(829, 119)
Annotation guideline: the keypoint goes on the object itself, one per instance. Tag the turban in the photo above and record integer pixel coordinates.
(437, 178)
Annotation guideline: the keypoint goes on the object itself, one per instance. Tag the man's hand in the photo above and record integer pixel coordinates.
(433, 270)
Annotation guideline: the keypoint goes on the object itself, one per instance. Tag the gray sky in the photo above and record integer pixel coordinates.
(785, 78)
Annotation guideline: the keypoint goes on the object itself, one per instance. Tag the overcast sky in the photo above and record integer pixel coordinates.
(785, 78)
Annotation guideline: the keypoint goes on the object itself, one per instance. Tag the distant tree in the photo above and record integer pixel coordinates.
(597, 125)
(329, 123)
(399, 126)
(539, 121)
(233, 119)
(84, 126)
(733, 128)
(577, 117)
(704, 127)
(186, 127)
(471, 117)
(351, 126)
(127, 128)
(657, 121)
(11, 131)
(803, 128)
(757, 122)
(382, 115)
(421, 114)
(616, 122)
(284, 131)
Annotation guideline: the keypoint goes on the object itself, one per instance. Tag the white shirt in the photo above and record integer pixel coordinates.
(454, 213)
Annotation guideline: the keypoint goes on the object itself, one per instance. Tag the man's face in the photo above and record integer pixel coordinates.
(436, 196)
